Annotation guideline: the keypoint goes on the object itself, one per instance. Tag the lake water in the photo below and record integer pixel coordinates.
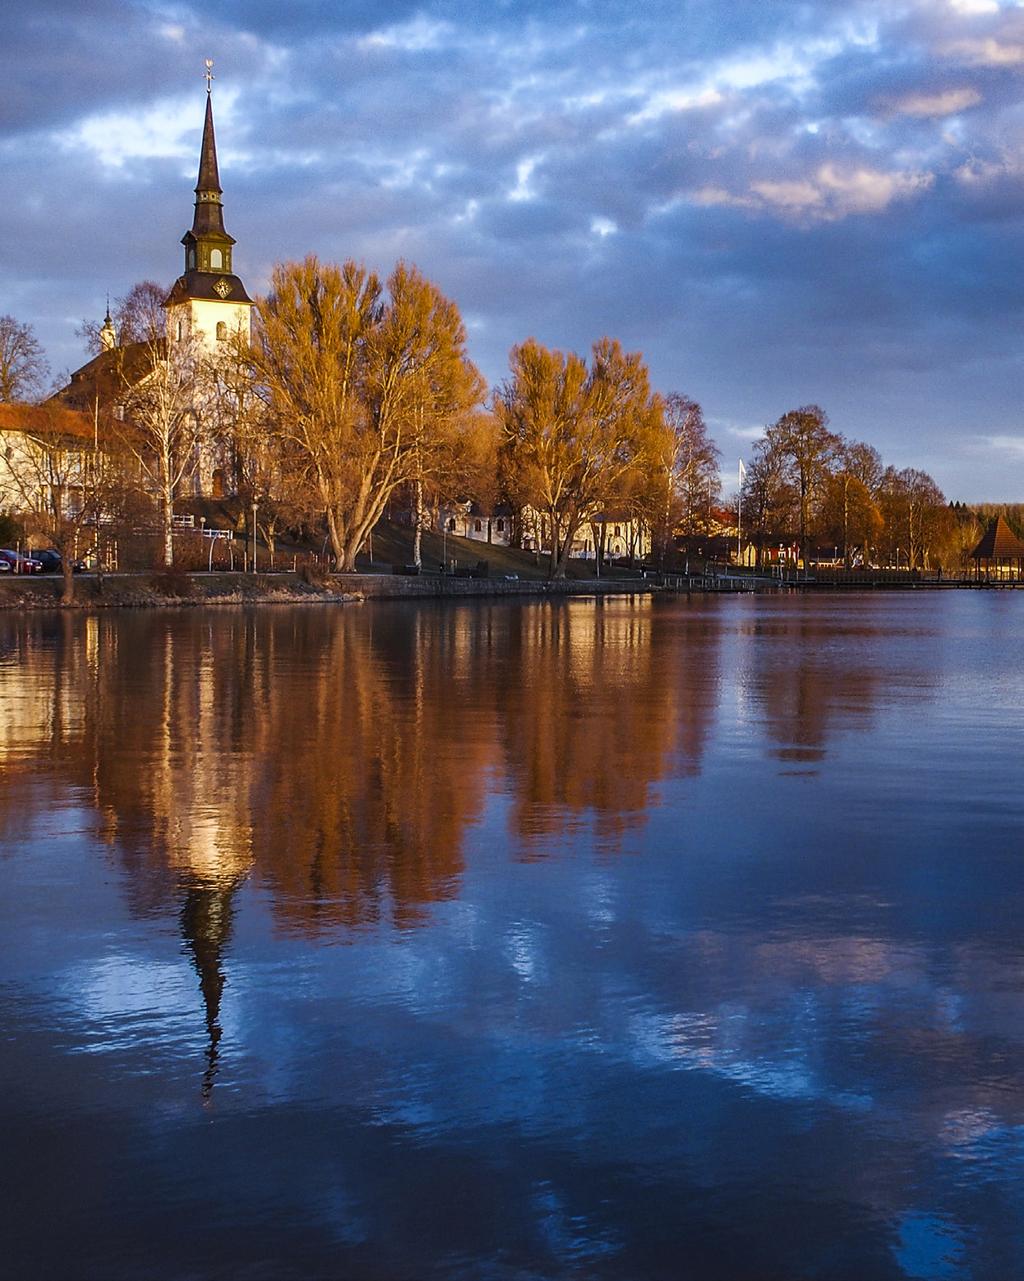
(625, 939)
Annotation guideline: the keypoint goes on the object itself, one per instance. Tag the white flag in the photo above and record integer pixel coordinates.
(743, 472)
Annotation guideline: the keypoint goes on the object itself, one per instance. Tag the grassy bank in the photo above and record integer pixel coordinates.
(140, 591)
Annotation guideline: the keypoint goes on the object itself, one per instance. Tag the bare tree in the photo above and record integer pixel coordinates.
(686, 477)
(137, 316)
(571, 435)
(163, 423)
(769, 497)
(55, 474)
(23, 364)
(801, 437)
(363, 387)
(850, 499)
(915, 514)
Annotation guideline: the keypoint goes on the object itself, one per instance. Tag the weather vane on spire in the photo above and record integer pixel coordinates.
(209, 74)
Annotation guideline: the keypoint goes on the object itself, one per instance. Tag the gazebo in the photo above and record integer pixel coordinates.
(999, 554)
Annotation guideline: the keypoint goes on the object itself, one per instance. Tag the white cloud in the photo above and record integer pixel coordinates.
(947, 103)
(986, 52)
(665, 101)
(414, 36)
(833, 193)
(524, 169)
(1013, 445)
(795, 195)
(710, 196)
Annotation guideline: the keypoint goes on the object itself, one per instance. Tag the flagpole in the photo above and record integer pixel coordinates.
(739, 518)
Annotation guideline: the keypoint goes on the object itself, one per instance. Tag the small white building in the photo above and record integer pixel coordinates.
(616, 535)
(468, 519)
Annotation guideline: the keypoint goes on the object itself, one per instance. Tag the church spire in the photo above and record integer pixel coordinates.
(207, 298)
(209, 215)
(208, 245)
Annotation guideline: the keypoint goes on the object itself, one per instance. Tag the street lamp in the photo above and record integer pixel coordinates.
(254, 536)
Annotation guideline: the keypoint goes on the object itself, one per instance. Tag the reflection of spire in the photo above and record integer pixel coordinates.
(206, 917)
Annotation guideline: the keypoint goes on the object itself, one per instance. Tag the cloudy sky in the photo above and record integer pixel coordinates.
(779, 203)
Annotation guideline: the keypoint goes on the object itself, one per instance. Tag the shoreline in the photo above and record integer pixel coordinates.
(159, 589)
(162, 589)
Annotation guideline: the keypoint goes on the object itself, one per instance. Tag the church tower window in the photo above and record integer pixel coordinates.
(222, 331)
(216, 260)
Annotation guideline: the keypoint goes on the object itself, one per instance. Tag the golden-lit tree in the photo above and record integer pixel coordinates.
(572, 435)
(365, 388)
(850, 511)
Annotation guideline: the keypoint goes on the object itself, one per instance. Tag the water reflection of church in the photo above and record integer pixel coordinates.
(336, 764)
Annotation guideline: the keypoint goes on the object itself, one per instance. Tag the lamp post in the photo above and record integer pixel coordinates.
(254, 536)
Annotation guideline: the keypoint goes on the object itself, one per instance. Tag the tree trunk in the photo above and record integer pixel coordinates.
(67, 566)
(167, 514)
(417, 537)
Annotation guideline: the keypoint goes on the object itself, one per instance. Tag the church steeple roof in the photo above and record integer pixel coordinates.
(209, 215)
(209, 178)
(208, 247)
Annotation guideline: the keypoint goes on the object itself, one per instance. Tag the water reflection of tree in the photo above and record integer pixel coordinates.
(342, 757)
(811, 677)
(603, 697)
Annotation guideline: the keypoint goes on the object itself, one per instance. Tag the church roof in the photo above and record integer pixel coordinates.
(107, 376)
(998, 540)
(51, 420)
(216, 286)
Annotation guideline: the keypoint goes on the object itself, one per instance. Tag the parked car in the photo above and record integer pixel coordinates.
(4, 567)
(49, 559)
(20, 564)
(52, 563)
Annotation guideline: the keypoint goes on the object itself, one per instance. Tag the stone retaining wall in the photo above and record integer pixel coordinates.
(141, 590)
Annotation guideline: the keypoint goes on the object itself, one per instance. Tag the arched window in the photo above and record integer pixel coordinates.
(191, 260)
(181, 330)
(477, 526)
(501, 526)
(216, 260)
(451, 524)
(222, 331)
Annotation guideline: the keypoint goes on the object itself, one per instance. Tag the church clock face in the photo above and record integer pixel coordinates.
(222, 288)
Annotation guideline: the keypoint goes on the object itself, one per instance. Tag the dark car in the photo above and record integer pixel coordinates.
(4, 567)
(49, 559)
(53, 563)
(20, 564)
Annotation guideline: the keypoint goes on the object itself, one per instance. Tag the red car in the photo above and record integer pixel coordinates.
(18, 564)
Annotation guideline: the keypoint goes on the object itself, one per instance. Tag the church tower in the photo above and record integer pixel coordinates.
(208, 301)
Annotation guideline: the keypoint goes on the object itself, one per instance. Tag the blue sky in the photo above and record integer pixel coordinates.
(777, 203)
